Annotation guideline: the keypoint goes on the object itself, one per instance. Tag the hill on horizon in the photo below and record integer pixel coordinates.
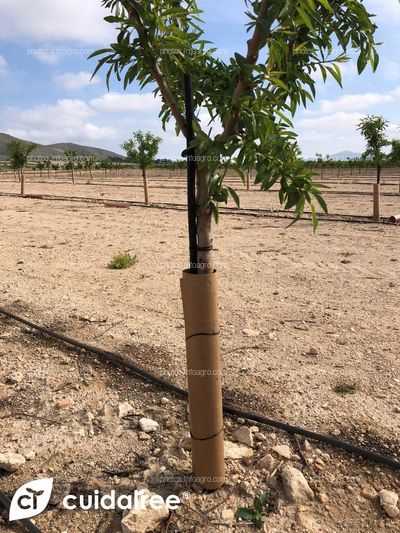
(57, 150)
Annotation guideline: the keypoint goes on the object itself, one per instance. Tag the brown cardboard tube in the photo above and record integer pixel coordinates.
(200, 306)
(377, 202)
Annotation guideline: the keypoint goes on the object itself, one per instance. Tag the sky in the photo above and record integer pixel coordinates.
(46, 94)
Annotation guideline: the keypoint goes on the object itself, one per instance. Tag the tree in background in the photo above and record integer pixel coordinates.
(89, 164)
(253, 97)
(143, 149)
(40, 166)
(373, 129)
(70, 155)
(394, 155)
(18, 152)
(47, 165)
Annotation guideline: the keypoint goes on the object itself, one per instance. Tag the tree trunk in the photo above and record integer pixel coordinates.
(379, 171)
(72, 175)
(248, 179)
(204, 223)
(22, 179)
(377, 203)
(145, 185)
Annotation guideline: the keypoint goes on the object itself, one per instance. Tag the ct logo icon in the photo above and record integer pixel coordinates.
(31, 499)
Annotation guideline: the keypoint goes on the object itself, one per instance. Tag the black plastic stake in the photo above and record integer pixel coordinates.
(191, 175)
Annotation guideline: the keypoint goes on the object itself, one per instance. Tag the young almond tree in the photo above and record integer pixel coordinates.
(373, 129)
(143, 149)
(89, 164)
(70, 155)
(252, 95)
(250, 101)
(47, 165)
(394, 156)
(18, 153)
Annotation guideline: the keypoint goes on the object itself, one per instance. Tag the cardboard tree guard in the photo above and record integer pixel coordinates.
(200, 306)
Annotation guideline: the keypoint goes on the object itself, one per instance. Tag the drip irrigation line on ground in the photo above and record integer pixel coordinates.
(254, 212)
(119, 362)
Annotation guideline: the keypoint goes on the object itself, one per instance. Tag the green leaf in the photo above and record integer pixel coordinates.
(305, 18)
(234, 195)
(137, 7)
(326, 4)
(245, 514)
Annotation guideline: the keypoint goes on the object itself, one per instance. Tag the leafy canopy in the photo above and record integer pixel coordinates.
(18, 152)
(250, 99)
(373, 129)
(394, 156)
(142, 148)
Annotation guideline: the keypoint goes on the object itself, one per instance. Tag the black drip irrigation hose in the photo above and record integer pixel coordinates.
(254, 212)
(118, 361)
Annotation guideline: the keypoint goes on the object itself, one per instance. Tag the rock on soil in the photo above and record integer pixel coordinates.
(148, 425)
(295, 484)
(237, 451)
(125, 409)
(389, 500)
(283, 450)
(10, 462)
(144, 520)
(244, 436)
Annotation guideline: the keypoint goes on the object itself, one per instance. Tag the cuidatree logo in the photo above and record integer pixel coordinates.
(31, 499)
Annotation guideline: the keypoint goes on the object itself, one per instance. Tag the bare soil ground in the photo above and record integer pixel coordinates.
(349, 196)
(310, 335)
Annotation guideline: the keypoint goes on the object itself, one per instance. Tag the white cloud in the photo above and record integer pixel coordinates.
(74, 81)
(355, 102)
(67, 120)
(3, 66)
(334, 132)
(113, 102)
(351, 102)
(65, 113)
(384, 9)
(58, 21)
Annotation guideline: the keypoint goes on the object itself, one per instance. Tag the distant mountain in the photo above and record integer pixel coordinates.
(57, 150)
(345, 155)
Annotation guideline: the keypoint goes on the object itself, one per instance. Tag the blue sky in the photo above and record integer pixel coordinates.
(46, 95)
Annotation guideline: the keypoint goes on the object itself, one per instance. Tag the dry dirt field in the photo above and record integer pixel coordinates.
(350, 195)
(310, 336)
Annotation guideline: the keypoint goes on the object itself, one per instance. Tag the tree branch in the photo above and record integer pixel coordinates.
(254, 46)
(159, 77)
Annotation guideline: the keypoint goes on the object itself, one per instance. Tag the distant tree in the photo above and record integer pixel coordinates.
(143, 149)
(89, 164)
(394, 155)
(47, 164)
(40, 166)
(55, 166)
(18, 153)
(70, 155)
(105, 165)
(373, 129)
(79, 166)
